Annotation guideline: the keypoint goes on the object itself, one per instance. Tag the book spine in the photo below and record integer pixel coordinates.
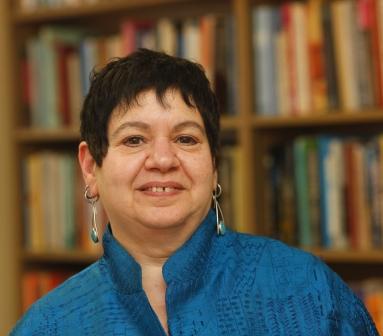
(301, 186)
(344, 41)
(301, 58)
(316, 56)
(329, 56)
(264, 54)
(324, 190)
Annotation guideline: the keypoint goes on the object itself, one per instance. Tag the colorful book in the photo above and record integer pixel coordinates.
(302, 190)
(264, 33)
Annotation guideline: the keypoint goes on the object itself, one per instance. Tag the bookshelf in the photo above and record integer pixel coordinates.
(63, 257)
(9, 241)
(254, 133)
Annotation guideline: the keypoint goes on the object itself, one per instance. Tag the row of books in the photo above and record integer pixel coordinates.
(325, 191)
(230, 177)
(56, 214)
(370, 292)
(318, 56)
(58, 61)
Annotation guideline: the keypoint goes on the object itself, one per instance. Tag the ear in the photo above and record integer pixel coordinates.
(215, 179)
(88, 167)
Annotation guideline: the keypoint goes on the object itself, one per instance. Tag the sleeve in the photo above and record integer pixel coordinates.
(348, 316)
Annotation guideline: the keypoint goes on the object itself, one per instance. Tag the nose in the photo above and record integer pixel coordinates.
(162, 156)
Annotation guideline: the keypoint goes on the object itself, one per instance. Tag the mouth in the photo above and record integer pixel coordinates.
(161, 188)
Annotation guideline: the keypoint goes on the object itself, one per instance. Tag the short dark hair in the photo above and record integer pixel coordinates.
(123, 79)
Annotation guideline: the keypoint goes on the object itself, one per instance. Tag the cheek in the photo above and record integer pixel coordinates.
(120, 171)
(200, 170)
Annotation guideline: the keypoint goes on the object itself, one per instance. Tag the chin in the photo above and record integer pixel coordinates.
(164, 221)
(165, 218)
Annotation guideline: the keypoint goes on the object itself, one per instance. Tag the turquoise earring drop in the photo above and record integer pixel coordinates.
(220, 222)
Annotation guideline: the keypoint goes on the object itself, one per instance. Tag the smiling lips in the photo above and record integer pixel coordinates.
(161, 188)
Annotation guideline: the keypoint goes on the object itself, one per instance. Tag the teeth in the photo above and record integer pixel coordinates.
(161, 189)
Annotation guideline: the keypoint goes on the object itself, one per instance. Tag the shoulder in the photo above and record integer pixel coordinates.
(273, 267)
(64, 301)
(269, 252)
(287, 274)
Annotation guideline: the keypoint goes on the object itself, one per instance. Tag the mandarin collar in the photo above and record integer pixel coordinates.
(186, 263)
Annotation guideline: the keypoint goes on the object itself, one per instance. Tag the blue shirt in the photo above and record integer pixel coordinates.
(234, 284)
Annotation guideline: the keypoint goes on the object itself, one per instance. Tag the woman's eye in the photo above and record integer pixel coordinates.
(186, 140)
(134, 140)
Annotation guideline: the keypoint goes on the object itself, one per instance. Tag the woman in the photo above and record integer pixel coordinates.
(150, 136)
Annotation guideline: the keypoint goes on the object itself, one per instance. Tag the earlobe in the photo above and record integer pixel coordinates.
(88, 166)
(215, 179)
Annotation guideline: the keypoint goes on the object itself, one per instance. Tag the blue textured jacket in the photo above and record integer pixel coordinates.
(234, 284)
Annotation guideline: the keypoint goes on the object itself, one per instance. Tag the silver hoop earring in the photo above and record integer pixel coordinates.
(92, 200)
(220, 222)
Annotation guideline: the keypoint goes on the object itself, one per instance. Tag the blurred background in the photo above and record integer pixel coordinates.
(300, 89)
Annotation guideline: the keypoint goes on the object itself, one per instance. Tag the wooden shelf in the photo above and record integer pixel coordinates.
(69, 257)
(38, 135)
(347, 256)
(230, 122)
(80, 11)
(334, 118)
(103, 8)
(330, 256)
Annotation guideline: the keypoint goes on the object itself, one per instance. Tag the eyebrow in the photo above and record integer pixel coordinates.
(189, 123)
(130, 124)
(145, 127)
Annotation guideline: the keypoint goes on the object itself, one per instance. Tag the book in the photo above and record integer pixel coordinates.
(225, 179)
(302, 190)
(35, 239)
(283, 83)
(379, 33)
(351, 212)
(342, 13)
(300, 57)
(364, 63)
(35, 284)
(374, 21)
(272, 212)
(324, 148)
(208, 26)
(166, 36)
(191, 36)
(334, 169)
(370, 291)
(233, 193)
(88, 60)
(313, 190)
(373, 177)
(315, 37)
(329, 57)
(280, 195)
(73, 69)
(263, 34)
(363, 227)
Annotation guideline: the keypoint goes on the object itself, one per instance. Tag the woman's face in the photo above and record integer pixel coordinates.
(158, 171)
